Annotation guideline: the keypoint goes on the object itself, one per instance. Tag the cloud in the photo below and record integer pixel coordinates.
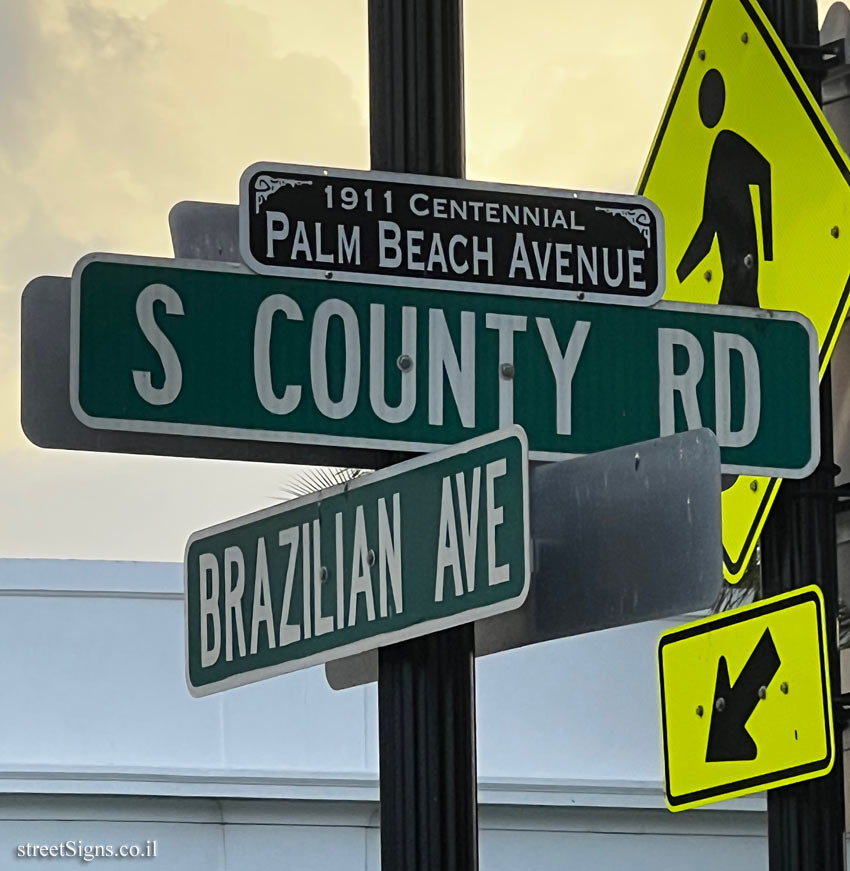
(124, 116)
(113, 110)
(102, 506)
(110, 118)
(569, 96)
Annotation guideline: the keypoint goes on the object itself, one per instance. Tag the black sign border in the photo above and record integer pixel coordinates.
(623, 200)
(741, 616)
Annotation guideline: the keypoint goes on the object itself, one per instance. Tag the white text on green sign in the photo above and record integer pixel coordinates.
(184, 347)
(422, 546)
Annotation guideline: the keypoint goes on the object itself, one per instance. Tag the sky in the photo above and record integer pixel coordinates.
(114, 110)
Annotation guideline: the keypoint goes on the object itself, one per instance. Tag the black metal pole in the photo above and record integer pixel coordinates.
(806, 820)
(426, 687)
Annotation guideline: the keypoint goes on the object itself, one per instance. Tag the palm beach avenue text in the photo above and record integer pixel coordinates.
(414, 231)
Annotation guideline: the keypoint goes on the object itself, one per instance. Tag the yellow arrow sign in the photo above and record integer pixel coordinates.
(745, 701)
(755, 192)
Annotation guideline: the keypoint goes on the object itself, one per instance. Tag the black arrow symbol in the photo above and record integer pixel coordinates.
(728, 739)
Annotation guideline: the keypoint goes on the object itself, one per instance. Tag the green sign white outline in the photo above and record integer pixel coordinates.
(385, 638)
(172, 428)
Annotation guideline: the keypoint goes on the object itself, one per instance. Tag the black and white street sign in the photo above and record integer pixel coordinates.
(440, 233)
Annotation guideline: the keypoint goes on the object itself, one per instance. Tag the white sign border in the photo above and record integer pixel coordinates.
(385, 638)
(623, 200)
(169, 428)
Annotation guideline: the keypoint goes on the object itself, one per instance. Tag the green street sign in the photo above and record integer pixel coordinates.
(203, 349)
(422, 546)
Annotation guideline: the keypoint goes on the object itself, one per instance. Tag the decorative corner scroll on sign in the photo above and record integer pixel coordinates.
(265, 186)
(638, 218)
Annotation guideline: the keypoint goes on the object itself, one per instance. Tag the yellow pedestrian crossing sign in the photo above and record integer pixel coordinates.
(745, 700)
(755, 193)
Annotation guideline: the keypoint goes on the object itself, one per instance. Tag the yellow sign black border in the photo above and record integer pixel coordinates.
(733, 566)
(775, 778)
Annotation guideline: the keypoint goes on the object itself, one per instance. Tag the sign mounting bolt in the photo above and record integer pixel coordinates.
(834, 232)
(708, 275)
(720, 704)
(700, 710)
(507, 371)
(745, 37)
(329, 275)
(748, 261)
(323, 574)
(762, 692)
(404, 362)
(754, 485)
(784, 687)
(701, 54)
(370, 557)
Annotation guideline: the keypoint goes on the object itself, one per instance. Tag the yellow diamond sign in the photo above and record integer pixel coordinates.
(755, 193)
(745, 702)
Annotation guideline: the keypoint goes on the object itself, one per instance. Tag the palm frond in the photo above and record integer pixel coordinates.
(843, 626)
(318, 478)
(748, 589)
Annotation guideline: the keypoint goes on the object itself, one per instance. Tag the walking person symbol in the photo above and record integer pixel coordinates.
(733, 167)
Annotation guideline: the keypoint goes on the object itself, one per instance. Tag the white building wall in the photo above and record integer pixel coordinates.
(101, 741)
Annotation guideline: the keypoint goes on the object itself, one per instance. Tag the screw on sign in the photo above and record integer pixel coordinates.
(735, 166)
(415, 548)
(450, 234)
(270, 358)
(726, 736)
